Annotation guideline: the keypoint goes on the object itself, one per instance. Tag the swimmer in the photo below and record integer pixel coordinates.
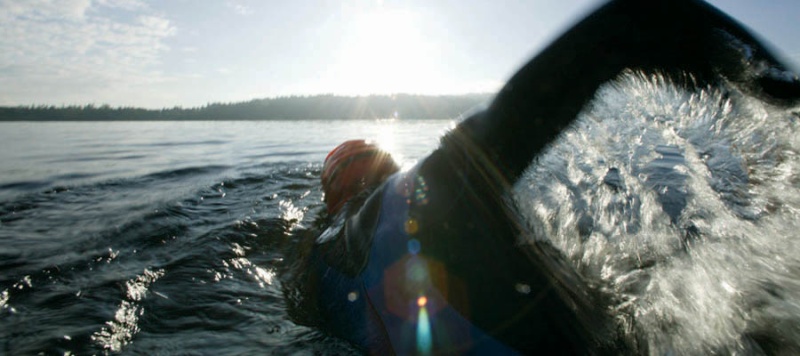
(431, 260)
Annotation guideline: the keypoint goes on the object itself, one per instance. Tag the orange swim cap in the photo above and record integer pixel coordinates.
(352, 167)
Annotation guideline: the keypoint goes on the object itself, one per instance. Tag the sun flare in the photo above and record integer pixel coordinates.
(386, 52)
(386, 138)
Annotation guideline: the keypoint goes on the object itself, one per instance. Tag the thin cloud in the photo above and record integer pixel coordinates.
(72, 49)
(129, 5)
(239, 8)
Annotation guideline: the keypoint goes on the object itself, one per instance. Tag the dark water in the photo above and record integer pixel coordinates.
(166, 238)
(163, 237)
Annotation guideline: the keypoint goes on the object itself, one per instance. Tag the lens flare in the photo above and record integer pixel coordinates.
(424, 342)
(421, 301)
(411, 226)
(421, 191)
(414, 246)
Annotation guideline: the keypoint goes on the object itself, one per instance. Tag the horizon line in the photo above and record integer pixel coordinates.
(177, 106)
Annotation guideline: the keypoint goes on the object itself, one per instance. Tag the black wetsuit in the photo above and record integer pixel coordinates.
(431, 261)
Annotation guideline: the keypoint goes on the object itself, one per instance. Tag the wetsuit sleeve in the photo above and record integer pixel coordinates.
(348, 250)
(687, 40)
(358, 233)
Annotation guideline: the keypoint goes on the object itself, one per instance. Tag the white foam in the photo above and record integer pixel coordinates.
(737, 187)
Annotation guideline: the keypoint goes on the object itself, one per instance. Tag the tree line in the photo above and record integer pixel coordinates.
(316, 107)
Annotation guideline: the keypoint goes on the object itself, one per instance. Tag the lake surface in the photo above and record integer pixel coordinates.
(166, 237)
(39, 155)
(143, 237)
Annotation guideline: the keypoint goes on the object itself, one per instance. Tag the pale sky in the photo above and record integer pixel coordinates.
(192, 52)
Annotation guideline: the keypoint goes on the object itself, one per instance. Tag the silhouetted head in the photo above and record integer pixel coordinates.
(351, 168)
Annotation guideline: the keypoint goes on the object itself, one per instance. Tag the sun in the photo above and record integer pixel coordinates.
(385, 51)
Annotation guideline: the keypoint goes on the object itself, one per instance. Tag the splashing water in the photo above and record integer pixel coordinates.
(684, 206)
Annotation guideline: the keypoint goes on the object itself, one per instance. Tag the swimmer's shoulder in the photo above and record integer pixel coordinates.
(346, 242)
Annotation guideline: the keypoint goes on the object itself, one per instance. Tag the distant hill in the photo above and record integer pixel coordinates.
(317, 107)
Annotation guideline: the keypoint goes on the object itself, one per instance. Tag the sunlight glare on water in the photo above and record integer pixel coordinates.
(124, 327)
(387, 139)
(86, 207)
(291, 213)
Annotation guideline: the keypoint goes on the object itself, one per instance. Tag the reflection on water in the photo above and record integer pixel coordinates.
(120, 331)
(43, 154)
(163, 237)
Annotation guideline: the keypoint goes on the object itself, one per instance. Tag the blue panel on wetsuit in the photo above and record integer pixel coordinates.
(402, 286)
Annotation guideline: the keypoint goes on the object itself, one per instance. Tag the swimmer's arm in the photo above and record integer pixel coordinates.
(346, 248)
(671, 37)
(359, 232)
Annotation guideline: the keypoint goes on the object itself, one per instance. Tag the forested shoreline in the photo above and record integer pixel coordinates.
(317, 107)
